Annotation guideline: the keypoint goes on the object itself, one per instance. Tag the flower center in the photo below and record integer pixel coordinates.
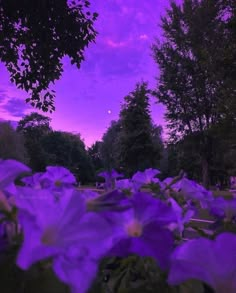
(49, 236)
(134, 228)
(58, 183)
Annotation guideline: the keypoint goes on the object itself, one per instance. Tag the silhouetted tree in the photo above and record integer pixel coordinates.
(36, 35)
(34, 127)
(137, 145)
(197, 72)
(12, 144)
(68, 150)
(110, 146)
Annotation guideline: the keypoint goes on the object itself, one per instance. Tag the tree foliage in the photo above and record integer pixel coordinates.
(55, 148)
(68, 150)
(12, 144)
(36, 35)
(138, 137)
(95, 156)
(34, 127)
(110, 147)
(197, 72)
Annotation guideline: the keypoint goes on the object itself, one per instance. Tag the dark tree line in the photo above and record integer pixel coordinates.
(47, 147)
(130, 144)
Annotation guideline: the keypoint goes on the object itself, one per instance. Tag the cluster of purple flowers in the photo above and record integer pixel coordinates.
(76, 229)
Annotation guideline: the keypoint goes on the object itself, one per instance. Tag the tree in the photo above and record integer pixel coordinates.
(95, 156)
(109, 148)
(196, 82)
(34, 127)
(68, 150)
(12, 144)
(36, 35)
(138, 148)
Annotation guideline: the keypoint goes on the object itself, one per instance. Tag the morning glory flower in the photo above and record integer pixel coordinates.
(146, 177)
(191, 190)
(57, 178)
(143, 230)
(181, 217)
(111, 201)
(51, 228)
(110, 178)
(33, 181)
(77, 272)
(167, 181)
(9, 170)
(126, 186)
(210, 261)
(224, 209)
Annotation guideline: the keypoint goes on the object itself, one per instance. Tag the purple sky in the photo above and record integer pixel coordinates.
(89, 98)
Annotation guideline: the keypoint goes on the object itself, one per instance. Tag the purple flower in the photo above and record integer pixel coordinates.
(89, 194)
(146, 177)
(57, 178)
(143, 230)
(168, 181)
(211, 261)
(110, 178)
(222, 208)
(110, 201)
(191, 190)
(181, 217)
(51, 228)
(9, 170)
(126, 186)
(76, 271)
(33, 181)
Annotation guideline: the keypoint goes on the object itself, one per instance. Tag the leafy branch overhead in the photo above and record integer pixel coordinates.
(36, 35)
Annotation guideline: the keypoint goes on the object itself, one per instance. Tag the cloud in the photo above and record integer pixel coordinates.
(15, 107)
(126, 30)
(113, 44)
(143, 37)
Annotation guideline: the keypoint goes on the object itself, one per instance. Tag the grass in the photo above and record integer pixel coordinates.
(224, 193)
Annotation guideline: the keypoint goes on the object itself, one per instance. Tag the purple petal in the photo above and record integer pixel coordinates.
(155, 242)
(9, 170)
(32, 249)
(145, 177)
(33, 181)
(77, 273)
(212, 262)
(148, 209)
(57, 178)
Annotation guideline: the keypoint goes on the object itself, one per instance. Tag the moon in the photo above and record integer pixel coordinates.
(109, 111)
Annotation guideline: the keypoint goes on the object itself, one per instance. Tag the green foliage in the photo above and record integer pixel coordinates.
(95, 156)
(110, 146)
(140, 141)
(196, 82)
(12, 144)
(130, 275)
(38, 279)
(34, 127)
(49, 148)
(68, 150)
(137, 275)
(36, 35)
